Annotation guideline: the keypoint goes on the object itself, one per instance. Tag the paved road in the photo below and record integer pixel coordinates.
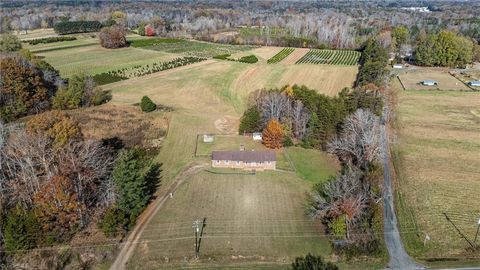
(399, 259)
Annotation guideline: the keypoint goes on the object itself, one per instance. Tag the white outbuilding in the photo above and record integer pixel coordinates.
(257, 136)
(208, 138)
(429, 82)
(398, 66)
(474, 83)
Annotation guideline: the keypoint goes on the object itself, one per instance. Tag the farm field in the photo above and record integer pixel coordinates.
(281, 55)
(61, 45)
(92, 59)
(411, 80)
(195, 48)
(37, 33)
(330, 57)
(437, 163)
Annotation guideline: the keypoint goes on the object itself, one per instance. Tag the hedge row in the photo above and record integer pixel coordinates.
(63, 28)
(50, 40)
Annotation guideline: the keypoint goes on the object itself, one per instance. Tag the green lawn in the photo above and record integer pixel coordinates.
(312, 165)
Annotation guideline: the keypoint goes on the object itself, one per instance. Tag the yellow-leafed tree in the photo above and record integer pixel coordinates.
(272, 135)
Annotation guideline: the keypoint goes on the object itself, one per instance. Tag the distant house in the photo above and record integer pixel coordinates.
(208, 138)
(398, 66)
(257, 136)
(246, 160)
(474, 83)
(429, 82)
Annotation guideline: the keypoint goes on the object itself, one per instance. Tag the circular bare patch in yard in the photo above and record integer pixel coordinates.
(227, 124)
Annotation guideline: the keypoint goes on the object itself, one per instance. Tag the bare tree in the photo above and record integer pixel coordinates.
(359, 142)
(300, 117)
(273, 106)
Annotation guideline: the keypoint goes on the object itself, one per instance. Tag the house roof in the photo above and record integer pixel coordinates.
(245, 156)
(475, 82)
(429, 81)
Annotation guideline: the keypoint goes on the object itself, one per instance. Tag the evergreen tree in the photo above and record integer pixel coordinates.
(147, 105)
(20, 230)
(250, 121)
(135, 181)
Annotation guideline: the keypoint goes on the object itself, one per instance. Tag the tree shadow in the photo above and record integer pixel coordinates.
(204, 224)
(154, 178)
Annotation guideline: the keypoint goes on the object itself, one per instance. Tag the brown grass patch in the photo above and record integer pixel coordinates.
(295, 56)
(438, 167)
(128, 123)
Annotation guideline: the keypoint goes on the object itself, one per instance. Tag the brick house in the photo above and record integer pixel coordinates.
(246, 160)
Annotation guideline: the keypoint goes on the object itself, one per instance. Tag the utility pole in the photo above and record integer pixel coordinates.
(458, 230)
(478, 228)
(195, 226)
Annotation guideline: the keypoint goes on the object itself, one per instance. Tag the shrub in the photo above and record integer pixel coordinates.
(287, 142)
(222, 56)
(106, 78)
(114, 221)
(112, 37)
(147, 104)
(248, 59)
(10, 43)
(310, 262)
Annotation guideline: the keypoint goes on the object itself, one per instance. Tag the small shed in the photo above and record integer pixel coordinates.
(257, 136)
(398, 66)
(429, 82)
(474, 83)
(208, 138)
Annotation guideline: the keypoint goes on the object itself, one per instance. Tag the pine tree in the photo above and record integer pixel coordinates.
(250, 121)
(273, 135)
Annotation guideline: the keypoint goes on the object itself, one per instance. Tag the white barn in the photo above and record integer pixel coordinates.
(398, 66)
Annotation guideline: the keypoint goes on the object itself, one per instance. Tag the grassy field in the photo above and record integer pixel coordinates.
(248, 218)
(437, 162)
(312, 165)
(411, 80)
(84, 56)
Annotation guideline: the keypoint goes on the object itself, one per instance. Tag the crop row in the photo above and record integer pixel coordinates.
(280, 55)
(141, 70)
(315, 56)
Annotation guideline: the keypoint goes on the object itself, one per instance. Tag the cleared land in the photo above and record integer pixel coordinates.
(411, 80)
(437, 162)
(125, 122)
(296, 55)
(260, 217)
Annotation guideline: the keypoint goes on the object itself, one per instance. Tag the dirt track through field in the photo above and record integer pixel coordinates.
(295, 56)
(147, 215)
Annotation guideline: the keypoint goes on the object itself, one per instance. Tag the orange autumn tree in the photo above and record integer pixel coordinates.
(57, 206)
(272, 135)
(56, 125)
